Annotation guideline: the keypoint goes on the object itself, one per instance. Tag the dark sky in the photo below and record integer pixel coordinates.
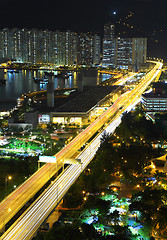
(148, 18)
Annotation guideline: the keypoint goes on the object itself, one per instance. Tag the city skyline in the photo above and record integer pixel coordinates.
(83, 105)
(69, 48)
(147, 17)
(54, 47)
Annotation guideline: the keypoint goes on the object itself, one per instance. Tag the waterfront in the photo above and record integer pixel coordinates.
(18, 83)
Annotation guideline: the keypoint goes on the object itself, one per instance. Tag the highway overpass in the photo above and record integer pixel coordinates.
(123, 103)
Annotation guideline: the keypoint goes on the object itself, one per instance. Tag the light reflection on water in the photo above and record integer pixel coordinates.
(23, 82)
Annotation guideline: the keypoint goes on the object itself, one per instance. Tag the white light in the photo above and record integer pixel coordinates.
(47, 159)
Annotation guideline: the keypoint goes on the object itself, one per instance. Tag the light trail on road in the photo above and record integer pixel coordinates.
(31, 220)
(121, 105)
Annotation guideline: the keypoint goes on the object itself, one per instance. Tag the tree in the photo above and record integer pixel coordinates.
(39, 236)
(64, 231)
(152, 206)
(122, 233)
(50, 127)
(104, 138)
(74, 197)
(114, 216)
(89, 232)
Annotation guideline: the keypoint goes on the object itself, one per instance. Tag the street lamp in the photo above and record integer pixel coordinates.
(7, 179)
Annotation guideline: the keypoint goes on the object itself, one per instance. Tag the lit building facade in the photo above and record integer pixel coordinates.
(108, 45)
(44, 46)
(96, 49)
(88, 49)
(130, 53)
(139, 51)
(66, 48)
(154, 103)
(124, 53)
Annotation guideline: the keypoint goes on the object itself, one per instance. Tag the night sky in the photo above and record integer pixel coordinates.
(134, 18)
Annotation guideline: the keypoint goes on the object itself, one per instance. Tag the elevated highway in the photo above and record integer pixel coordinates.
(26, 226)
(30, 187)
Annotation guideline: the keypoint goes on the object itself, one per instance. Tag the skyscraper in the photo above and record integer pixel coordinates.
(124, 53)
(84, 49)
(130, 53)
(139, 52)
(108, 45)
(88, 49)
(66, 48)
(96, 49)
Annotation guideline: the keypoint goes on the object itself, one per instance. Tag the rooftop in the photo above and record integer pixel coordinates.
(153, 95)
(85, 100)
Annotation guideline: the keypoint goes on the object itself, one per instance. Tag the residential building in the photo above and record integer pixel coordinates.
(44, 46)
(130, 53)
(123, 53)
(96, 49)
(108, 45)
(156, 101)
(88, 49)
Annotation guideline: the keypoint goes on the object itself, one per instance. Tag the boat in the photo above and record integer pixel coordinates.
(49, 73)
(12, 71)
(40, 80)
(62, 75)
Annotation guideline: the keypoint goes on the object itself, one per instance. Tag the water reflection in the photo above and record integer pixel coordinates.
(18, 83)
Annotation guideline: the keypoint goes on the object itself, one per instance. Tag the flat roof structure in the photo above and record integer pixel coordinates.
(153, 95)
(87, 99)
(77, 107)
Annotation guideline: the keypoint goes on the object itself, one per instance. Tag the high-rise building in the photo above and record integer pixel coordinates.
(84, 49)
(130, 53)
(88, 49)
(139, 52)
(6, 44)
(54, 48)
(96, 49)
(122, 52)
(108, 45)
(67, 48)
(44, 46)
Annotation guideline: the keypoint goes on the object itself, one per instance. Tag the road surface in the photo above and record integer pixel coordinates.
(20, 196)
